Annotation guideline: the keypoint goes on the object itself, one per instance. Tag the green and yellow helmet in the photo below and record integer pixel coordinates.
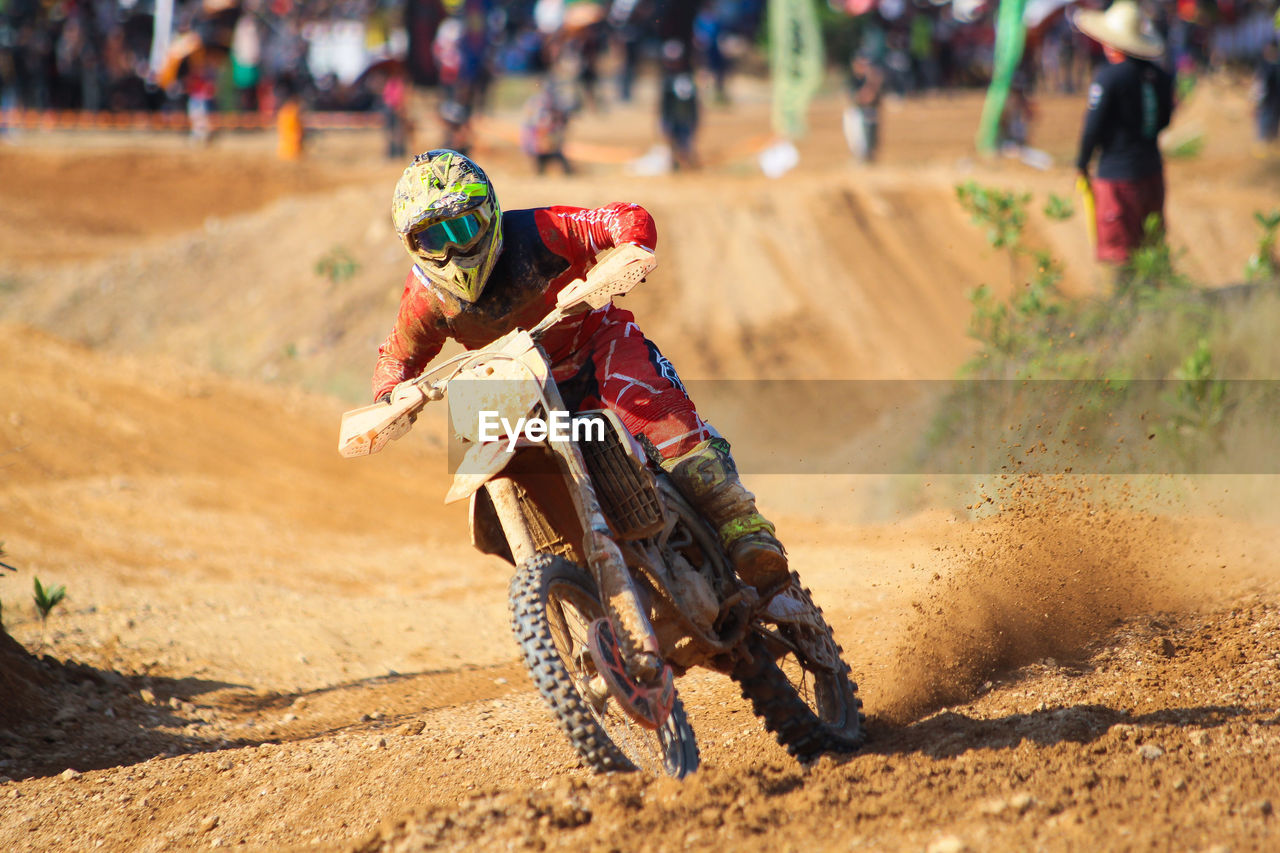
(446, 213)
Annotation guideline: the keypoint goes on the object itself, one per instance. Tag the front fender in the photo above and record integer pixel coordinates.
(486, 528)
(480, 463)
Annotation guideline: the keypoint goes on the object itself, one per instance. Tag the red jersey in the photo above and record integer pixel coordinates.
(543, 249)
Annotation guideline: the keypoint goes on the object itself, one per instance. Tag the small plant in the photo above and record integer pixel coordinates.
(1186, 85)
(1004, 213)
(1059, 208)
(989, 323)
(1040, 298)
(46, 599)
(1199, 402)
(1263, 264)
(1151, 267)
(1187, 148)
(1024, 325)
(337, 265)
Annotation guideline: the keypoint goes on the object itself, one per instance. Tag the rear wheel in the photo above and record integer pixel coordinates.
(798, 682)
(553, 603)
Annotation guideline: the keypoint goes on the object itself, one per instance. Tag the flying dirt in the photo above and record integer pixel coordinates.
(265, 644)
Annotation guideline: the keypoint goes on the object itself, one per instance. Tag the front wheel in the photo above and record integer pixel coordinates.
(553, 603)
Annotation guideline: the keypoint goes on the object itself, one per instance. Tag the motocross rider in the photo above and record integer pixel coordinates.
(479, 271)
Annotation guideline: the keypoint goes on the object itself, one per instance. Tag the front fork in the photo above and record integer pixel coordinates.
(635, 635)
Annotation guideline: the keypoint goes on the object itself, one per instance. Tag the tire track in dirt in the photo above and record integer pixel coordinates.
(1054, 757)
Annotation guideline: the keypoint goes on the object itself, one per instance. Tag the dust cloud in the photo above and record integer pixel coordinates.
(1049, 574)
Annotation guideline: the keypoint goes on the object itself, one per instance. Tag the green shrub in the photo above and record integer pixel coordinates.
(1198, 401)
(1025, 327)
(1059, 208)
(1155, 325)
(1263, 265)
(1004, 213)
(337, 265)
(1151, 268)
(1187, 148)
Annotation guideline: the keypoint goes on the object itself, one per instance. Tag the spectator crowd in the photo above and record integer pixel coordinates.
(254, 55)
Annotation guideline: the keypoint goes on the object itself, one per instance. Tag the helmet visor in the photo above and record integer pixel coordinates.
(461, 232)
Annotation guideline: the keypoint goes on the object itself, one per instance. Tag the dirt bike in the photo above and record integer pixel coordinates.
(620, 584)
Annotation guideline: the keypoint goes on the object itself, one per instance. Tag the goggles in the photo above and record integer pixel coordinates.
(461, 232)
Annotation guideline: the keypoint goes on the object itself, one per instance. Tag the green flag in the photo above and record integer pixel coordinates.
(795, 63)
(1011, 37)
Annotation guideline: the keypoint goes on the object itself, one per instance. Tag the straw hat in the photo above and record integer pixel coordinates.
(1120, 27)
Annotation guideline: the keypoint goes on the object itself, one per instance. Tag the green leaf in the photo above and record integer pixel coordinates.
(47, 598)
(1058, 208)
(1187, 148)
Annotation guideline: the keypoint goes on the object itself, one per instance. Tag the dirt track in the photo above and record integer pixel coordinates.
(277, 648)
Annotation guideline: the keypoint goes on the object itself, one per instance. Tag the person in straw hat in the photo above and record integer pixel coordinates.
(1130, 102)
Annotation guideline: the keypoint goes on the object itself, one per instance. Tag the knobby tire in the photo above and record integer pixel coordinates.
(530, 596)
(775, 699)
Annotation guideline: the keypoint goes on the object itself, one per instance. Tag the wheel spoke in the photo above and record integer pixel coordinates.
(559, 628)
(570, 626)
(807, 655)
(640, 744)
(554, 605)
(799, 678)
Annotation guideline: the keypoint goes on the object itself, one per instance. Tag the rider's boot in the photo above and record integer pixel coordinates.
(708, 478)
